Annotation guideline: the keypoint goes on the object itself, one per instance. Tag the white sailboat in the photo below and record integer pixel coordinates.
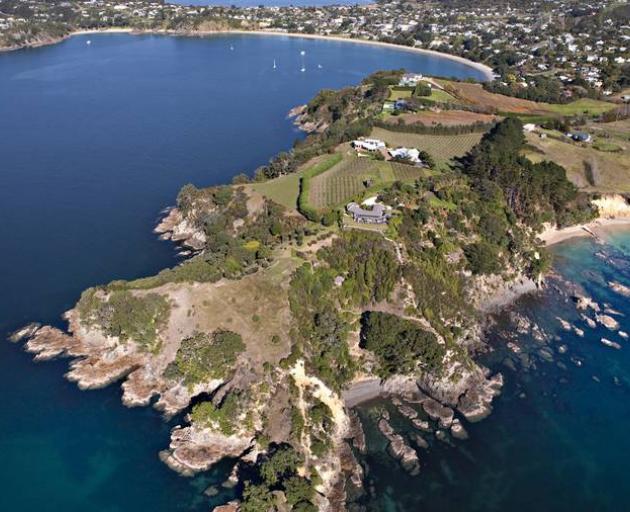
(274, 64)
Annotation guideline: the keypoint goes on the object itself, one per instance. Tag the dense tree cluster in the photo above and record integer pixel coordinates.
(277, 473)
(368, 264)
(400, 345)
(321, 330)
(202, 356)
(534, 193)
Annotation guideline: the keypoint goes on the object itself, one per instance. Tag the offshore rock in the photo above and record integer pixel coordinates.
(458, 431)
(193, 449)
(437, 411)
(232, 506)
(399, 449)
(607, 321)
(476, 403)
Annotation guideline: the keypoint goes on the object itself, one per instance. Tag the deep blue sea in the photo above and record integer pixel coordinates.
(95, 140)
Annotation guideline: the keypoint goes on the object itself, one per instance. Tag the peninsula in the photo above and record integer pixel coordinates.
(361, 263)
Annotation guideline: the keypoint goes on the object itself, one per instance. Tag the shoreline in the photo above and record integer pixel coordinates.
(482, 68)
(552, 236)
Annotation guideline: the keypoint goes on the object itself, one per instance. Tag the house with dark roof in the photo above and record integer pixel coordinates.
(379, 214)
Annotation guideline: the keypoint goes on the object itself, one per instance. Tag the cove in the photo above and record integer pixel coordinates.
(557, 439)
(95, 141)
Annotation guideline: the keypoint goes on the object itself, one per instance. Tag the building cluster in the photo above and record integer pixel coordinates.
(574, 40)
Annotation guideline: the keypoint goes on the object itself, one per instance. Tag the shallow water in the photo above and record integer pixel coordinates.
(558, 437)
(95, 141)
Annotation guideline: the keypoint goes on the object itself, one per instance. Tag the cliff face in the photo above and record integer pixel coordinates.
(612, 206)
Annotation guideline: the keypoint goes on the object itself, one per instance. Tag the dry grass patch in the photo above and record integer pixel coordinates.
(613, 168)
(256, 307)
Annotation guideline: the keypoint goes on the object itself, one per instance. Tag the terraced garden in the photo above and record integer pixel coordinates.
(354, 175)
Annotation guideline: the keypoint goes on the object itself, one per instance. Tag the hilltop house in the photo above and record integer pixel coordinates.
(368, 144)
(379, 213)
(412, 155)
(410, 80)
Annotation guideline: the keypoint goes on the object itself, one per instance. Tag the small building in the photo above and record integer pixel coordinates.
(379, 214)
(413, 155)
(401, 105)
(410, 79)
(368, 144)
(529, 127)
(581, 136)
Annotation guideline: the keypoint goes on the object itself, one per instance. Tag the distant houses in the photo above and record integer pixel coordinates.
(379, 214)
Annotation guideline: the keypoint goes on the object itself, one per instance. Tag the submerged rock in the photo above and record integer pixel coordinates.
(565, 325)
(619, 288)
(420, 441)
(399, 449)
(458, 431)
(611, 344)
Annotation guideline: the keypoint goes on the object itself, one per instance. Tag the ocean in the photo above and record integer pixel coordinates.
(557, 439)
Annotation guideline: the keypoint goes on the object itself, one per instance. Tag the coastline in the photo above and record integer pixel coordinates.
(486, 70)
(595, 229)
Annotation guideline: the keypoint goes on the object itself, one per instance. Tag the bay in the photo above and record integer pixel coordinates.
(95, 140)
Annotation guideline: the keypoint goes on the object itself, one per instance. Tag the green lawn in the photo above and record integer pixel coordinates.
(582, 106)
(283, 190)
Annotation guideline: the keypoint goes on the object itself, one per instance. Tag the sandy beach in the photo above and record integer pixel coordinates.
(596, 228)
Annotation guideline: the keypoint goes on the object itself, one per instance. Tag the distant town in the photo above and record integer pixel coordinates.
(543, 50)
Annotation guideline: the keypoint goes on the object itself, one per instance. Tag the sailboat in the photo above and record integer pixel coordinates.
(274, 64)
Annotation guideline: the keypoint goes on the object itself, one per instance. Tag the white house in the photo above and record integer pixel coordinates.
(529, 127)
(412, 154)
(368, 144)
(410, 79)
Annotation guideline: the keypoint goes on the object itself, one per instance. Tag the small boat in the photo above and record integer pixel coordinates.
(231, 48)
(319, 66)
(274, 64)
(88, 42)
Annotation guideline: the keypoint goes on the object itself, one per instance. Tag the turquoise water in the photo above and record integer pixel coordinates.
(95, 141)
(558, 438)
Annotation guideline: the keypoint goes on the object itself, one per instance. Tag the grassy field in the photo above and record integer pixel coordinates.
(440, 96)
(475, 94)
(399, 93)
(283, 190)
(614, 168)
(353, 176)
(585, 106)
(442, 148)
